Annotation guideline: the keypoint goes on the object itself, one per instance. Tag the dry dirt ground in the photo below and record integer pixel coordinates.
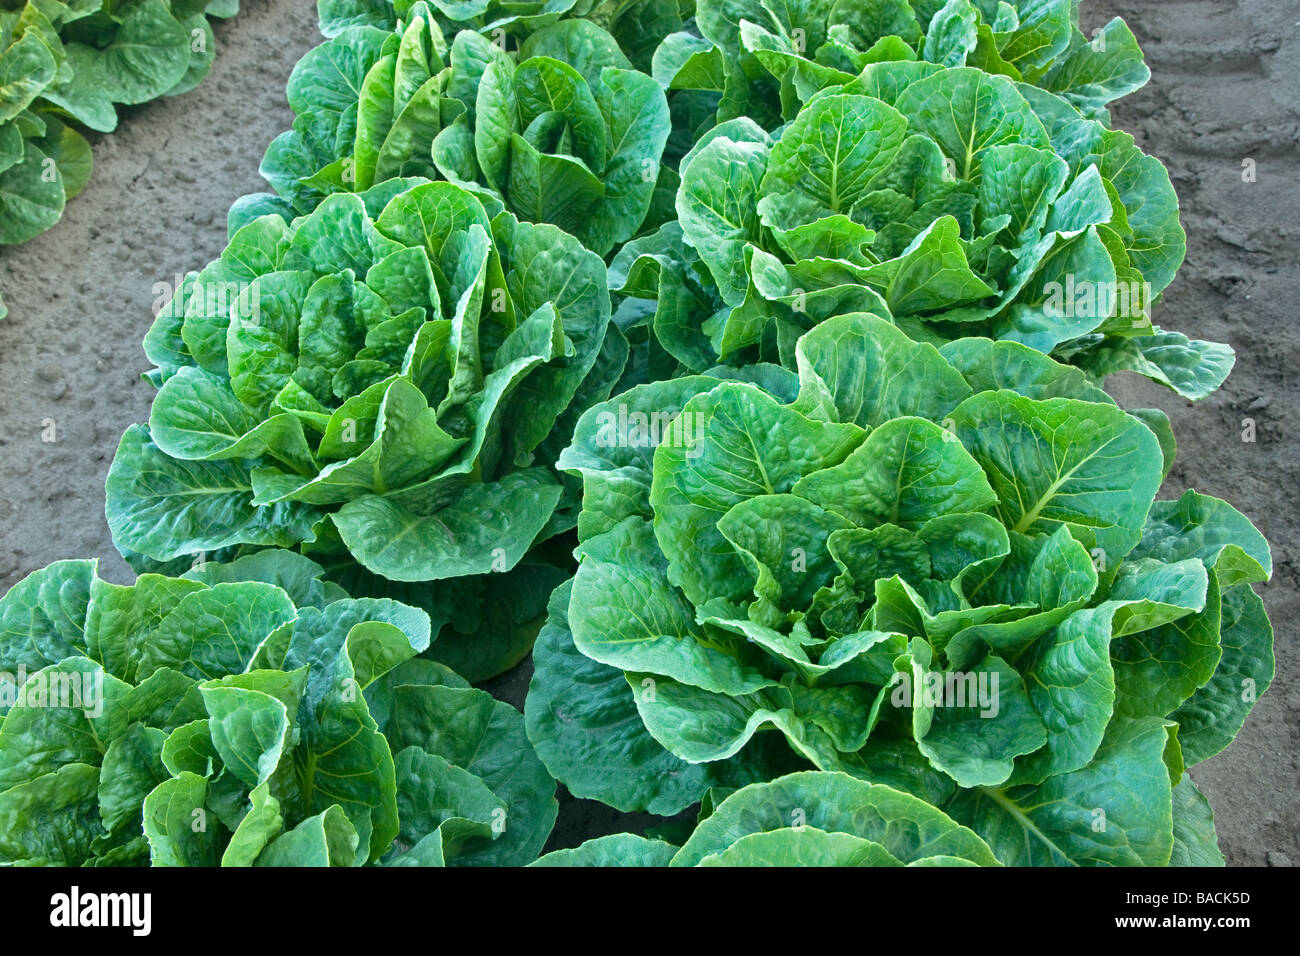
(1224, 100)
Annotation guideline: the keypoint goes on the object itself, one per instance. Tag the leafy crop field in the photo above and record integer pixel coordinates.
(867, 374)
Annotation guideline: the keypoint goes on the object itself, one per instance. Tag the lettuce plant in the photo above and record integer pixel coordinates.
(78, 61)
(638, 25)
(376, 384)
(941, 570)
(813, 818)
(320, 155)
(568, 134)
(248, 714)
(69, 63)
(480, 15)
(129, 53)
(562, 130)
(750, 58)
(952, 200)
(33, 191)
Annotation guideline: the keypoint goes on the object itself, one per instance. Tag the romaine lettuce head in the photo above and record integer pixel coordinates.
(929, 570)
(108, 54)
(30, 58)
(68, 64)
(511, 18)
(751, 58)
(561, 130)
(958, 202)
(377, 384)
(638, 25)
(248, 714)
(813, 818)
